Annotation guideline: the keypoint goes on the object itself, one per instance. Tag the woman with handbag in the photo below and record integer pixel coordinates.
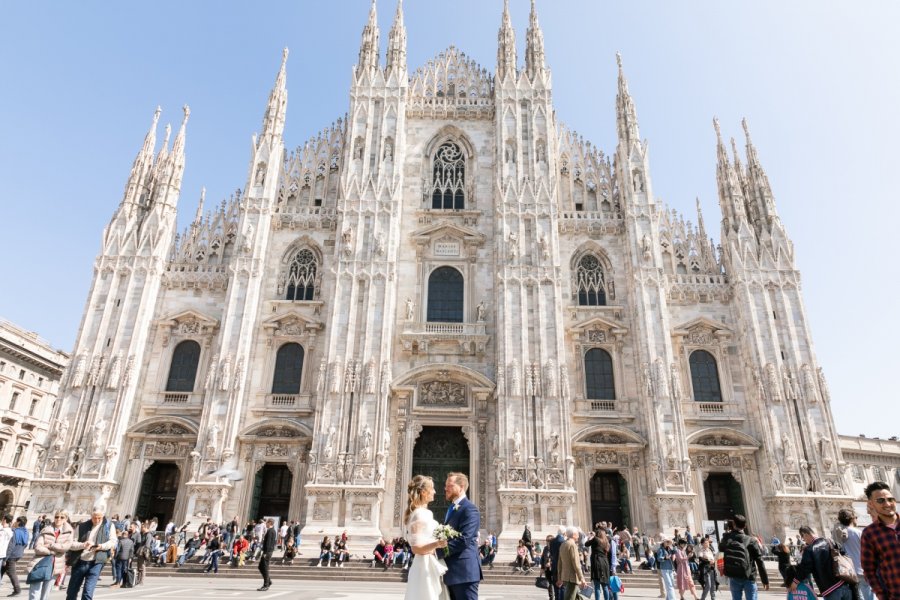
(50, 548)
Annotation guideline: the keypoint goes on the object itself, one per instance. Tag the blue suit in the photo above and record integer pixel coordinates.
(463, 562)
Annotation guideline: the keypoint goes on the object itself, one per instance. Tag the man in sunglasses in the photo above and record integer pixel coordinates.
(880, 543)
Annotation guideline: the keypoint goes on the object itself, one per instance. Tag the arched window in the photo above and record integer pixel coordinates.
(183, 371)
(301, 279)
(705, 377)
(20, 449)
(288, 369)
(598, 375)
(445, 296)
(591, 282)
(449, 178)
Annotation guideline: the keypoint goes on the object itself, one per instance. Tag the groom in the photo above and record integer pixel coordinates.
(463, 564)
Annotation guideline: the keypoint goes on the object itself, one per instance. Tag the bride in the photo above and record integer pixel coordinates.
(424, 581)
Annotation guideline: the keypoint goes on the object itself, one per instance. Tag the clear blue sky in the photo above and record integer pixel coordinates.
(818, 81)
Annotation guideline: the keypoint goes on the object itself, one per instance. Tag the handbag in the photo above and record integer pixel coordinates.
(843, 566)
(42, 571)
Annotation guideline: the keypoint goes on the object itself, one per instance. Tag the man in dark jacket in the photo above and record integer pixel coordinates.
(817, 561)
(268, 547)
(555, 546)
(17, 545)
(124, 554)
(743, 561)
(95, 539)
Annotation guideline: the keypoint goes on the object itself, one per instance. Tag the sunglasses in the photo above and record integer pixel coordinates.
(886, 500)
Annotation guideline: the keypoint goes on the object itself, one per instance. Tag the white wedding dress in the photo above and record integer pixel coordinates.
(424, 580)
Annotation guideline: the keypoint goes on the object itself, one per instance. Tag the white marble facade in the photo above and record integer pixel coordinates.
(346, 225)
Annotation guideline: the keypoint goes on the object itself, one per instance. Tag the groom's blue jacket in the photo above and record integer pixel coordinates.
(463, 562)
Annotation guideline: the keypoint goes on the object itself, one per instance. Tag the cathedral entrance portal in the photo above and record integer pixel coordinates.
(159, 489)
(723, 497)
(6, 502)
(609, 499)
(438, 451)
(272, 492)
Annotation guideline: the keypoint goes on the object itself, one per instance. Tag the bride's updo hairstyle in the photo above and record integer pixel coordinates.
(416, 490)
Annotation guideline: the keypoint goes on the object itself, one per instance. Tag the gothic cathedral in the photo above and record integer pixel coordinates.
(446, 279)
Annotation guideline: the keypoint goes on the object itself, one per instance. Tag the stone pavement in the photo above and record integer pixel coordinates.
(212, 587)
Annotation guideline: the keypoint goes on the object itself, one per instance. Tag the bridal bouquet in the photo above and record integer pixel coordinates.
(445, 532)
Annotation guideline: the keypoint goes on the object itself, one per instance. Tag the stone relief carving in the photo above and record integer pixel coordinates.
(322, 511)
(442, 394)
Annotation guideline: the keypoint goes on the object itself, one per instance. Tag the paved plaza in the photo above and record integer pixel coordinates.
(210, 587)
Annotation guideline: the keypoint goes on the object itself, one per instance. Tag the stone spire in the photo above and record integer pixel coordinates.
(506, 46)
(534, 46)
(276, 109)
(731, 197)
(701, 226)
(368, 47)
(143, 164)
(396, 50)
(626, 115)
(760, 197)
(199, 216)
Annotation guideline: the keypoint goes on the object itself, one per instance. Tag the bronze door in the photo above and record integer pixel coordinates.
(438, 451)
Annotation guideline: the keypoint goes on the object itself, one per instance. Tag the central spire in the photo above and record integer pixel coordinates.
(506, 46)
(534, 45)
(368, 47)
(396, 51)
(626, 115)
(273, 120)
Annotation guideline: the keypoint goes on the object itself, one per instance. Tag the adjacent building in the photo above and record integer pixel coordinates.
(447, 278)
(30, 371)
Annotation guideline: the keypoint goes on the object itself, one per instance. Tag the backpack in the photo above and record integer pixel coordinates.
(736, 549)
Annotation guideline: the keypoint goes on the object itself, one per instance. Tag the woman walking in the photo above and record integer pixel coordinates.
(683, 579)
(53, 541)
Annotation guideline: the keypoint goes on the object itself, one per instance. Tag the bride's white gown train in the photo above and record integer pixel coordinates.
(424, 580)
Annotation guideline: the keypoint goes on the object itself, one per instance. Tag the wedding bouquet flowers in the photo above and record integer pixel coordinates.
(445, 532)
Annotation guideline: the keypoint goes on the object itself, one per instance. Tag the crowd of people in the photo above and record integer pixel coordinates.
(72, 556)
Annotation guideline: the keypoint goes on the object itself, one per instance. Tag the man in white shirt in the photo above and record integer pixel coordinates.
(95, 539)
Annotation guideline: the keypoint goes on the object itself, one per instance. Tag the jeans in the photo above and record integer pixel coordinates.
(84, 572)
(118, 570)
(186, 556)
(865, 590)
(213, 562)
(744, 587)
(40, 590)
(600, 588)
(9, 567)
(842, 593)
(709, 584)
(668, 580)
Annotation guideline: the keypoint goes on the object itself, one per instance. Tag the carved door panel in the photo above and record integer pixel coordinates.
(723, 497)
(272, 492)
(438, 451)
(159, 489)
(609, 499)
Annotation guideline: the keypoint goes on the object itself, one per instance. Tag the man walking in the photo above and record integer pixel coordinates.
(817, 561)
(94, 539)
(555, 547)
(880, 543)
(14, 552)
(570, 573)
(268, 547)
(743, 561)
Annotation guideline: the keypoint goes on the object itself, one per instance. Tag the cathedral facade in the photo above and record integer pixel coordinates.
(446, 279)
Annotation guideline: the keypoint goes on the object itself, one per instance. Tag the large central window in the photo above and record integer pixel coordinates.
(449, 178)
(301, 279)
(445, 296)
(591, 282)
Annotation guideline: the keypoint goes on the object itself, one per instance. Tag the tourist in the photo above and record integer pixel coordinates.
(847, 535)
(190, 549)
(171, 550)
(36, 529)
(341, 553)
(95, 539)
(880, 543)
(665, 566)
(523, 562)
(598, 544)
(124, 554)
(14, 551)
(282, 535)
(818, 562)
(488, 554)
(782, 554)
(569, 572)
(402, 552)
(326, 552)
(296, 533)
(683, 578)
(707, 563)
(388, 554)
(377, 553)
(290, 552)
(743, 560)
(54, 540)
(141, 536)
(213, 551)
(268, 547)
